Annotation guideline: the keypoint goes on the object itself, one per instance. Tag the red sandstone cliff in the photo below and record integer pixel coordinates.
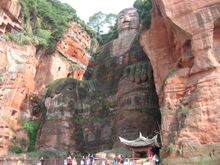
(70, 59)
(24, 74)
(183, 47)
(9, 16)
(17, 69)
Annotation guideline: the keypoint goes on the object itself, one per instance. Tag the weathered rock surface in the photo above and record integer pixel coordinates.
(70, 59)
(76, 118)
(58, 128)
(182, 45)
(9, 16)
(17, 69)
(76, 44)
(24, 74)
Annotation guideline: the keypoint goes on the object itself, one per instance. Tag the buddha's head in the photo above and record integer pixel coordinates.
(128, 19)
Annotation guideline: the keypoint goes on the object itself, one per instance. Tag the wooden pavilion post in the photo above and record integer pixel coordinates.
(133, 155)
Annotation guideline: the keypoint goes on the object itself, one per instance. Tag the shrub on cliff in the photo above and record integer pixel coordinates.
(31, 127)
(111, 35)
(143, 8)
(47, 20)
(15, 149)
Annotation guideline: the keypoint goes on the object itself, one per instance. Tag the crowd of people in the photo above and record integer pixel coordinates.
(85, 160)
(151, 159)
(91, 160)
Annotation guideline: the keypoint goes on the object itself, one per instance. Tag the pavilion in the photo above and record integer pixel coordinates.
(141, 144)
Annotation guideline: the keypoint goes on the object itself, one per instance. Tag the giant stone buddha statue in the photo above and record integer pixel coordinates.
(119, 98)
(128, 24)
(125, 73)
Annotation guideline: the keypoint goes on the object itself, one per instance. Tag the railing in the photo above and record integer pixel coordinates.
(60, 161)
(126, 161)
(34, 161)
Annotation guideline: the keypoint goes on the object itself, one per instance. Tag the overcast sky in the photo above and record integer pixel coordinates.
(86, 8)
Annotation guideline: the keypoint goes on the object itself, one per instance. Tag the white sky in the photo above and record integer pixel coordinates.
(86, 8)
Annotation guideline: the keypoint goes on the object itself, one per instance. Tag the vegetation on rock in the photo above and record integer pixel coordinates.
(143, 8)
(57, 85)
(100, 21)
(45, 21)
(31, 127)
(112, 34)
(15, 149)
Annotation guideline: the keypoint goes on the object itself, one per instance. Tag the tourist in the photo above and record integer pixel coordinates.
(156, 151)
(65, 162)
(42, 160)
(74, 162)
(92, 160)
(156, 159)
(87, 161)
(19, 162)
(150, 156)
(69, 160)
(120, 159)
(114, 162)
(104, 161)
(82, 161)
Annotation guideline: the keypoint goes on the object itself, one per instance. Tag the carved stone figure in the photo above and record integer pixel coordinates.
(124, 71)
(128, 19)
(137, 106)
(119, 99)
(128, 23)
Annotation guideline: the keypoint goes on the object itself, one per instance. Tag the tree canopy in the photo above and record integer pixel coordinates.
(143, 8)
(112, 34)
(100, 21)
(45, 21)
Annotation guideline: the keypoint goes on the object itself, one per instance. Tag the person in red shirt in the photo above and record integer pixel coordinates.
(150, 156)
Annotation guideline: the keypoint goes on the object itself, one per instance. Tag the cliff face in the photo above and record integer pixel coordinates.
(118, 99)
(78, 119)
(182, 45)
(17, 71)
(18, 67)
(24, 74)
(76, 115)
(70, 59)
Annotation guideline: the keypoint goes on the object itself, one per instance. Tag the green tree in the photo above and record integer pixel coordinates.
(143, 8)
(112, 34)
(97, 21)
(110, 19)
(100, 20)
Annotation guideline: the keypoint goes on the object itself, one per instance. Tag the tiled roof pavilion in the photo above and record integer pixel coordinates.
(141, 144)
(141, 141)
